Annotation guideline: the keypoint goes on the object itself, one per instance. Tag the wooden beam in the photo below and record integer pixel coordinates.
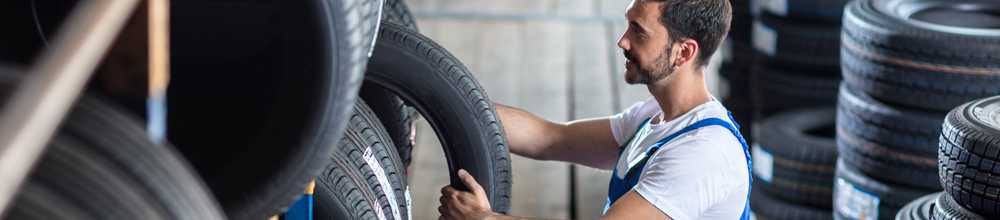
(159, 68)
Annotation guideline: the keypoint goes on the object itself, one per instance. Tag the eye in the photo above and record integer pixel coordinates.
(637, 32)
(642, 35)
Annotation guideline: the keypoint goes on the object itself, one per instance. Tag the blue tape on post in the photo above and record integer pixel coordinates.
(157, 118)
(301, 210)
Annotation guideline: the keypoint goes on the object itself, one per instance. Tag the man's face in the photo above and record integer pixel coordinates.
(645, 44)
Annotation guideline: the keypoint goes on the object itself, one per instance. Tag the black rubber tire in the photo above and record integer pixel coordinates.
(735, 67)
(739, 101)
(396, 12)
(765, 207)
(890, 143)
(800, 156)
(903, 61)
(823, 12)
(948, 209)
(22, 42)
(920, 209)
(102, 165)
(741, 28)
(341, 192)
(260, 90)
(969, 156)
(850, 181)
(794, 43)
(778, 89)
(367, 157)
(424, 74)
(396, 115)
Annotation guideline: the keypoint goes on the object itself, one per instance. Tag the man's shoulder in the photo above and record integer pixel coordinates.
(711, 144)
(710, 139)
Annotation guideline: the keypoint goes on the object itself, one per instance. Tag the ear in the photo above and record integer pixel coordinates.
(687, 52)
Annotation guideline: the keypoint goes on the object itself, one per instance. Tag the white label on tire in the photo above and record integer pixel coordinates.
(763, 163)
(378, 210)
(855, 203)
(764, 39)
(776, 7)
(409, 204)
(380, 175)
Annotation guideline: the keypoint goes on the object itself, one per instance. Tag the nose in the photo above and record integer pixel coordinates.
(623, 42)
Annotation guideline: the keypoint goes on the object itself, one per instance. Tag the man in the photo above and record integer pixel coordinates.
(677, 155)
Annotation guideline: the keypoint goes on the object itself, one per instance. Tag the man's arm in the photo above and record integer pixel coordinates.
(473, 204)
(588, 142)
(629, 206)
(633, 206)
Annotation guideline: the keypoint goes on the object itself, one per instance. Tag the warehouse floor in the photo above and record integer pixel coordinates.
(556, 58)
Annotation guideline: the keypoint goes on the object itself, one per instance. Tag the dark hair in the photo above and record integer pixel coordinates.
(705, 21)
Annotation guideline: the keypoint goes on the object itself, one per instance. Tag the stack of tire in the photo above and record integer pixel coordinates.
(797, 61)
(410, 73)
(735, 68)
(795, 74)
(905, 64)
(793, 165)
(968, 155)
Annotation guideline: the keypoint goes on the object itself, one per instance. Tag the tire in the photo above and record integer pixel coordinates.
(396, 12)
(739, 100)
(766, 207)
(794, 43)
(823, 12)
(777, 89)
(903, 61)
(948, 209)
(22, 42)
(101, 165)
(890, 143)
(920, 209)
(260, 139)
(795, 156)
(365, 175)
(423, 73)
(742, 24)
(855, 195)
(396, 115)
(969, 155)
(341, 193)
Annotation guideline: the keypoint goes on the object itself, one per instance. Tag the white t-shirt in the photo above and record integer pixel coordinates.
(702, 174)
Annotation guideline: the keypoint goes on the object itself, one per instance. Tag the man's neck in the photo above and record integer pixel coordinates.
(680, 93)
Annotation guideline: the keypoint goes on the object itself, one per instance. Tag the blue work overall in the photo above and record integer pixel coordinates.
(620, 186)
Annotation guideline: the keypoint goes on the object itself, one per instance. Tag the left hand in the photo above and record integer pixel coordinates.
(461, 205)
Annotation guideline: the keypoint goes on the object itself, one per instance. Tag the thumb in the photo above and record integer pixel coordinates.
(470, 182)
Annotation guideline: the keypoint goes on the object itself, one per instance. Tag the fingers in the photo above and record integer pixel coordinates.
(447, 190)
(471, 182)
(447, 193)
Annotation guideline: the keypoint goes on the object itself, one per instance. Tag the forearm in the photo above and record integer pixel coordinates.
(528, 135)
(507, 217)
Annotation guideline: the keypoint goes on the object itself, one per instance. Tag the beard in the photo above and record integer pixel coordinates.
(646, 74)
